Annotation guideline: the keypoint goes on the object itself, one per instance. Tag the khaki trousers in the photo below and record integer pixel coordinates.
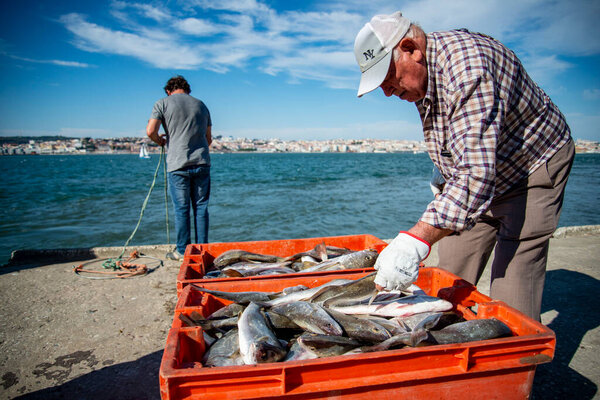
(517, 226)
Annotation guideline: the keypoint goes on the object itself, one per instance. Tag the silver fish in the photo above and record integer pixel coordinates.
(223, 324)
(425, 320)
(310, 317)
(232, 256)
(208, 339)
(384, 295)
(321, 252)
(401, 307)
(239, 297)
(354, 260)
(326, 345)
(303, 295)
(278, 321)
(360, 329)
(224, 351)
(299, 352)
(404, 339)
(258, 344)
(292, 289)
(469, 331)
(196, 319)
(391, 325)
(349, 293)
(230, 310)
(252, 268)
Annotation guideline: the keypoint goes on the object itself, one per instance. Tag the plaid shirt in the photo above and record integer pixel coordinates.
(486, 124)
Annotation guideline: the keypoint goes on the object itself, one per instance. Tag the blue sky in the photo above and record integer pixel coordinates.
(264, 68)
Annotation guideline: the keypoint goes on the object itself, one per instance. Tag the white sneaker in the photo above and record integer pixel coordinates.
(174, 255)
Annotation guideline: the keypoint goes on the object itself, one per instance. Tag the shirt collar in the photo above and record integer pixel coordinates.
(430, 54)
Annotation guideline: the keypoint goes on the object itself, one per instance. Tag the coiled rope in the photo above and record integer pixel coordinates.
(125, 268)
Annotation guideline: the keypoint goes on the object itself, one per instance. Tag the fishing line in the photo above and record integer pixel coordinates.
(117, 264)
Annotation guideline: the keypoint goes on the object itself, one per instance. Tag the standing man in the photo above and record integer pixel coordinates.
(502, 147)
(187, 125)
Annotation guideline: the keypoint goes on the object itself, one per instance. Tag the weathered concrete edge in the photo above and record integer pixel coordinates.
(565, 231)
(581, 230)
(72, 254)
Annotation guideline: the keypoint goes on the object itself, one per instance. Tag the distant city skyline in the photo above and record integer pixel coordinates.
(265, 68)
(64, 145)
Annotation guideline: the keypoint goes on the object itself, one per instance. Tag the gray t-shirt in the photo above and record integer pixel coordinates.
(184, 119)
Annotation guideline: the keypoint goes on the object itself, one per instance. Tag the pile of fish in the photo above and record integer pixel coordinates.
(240, 263)
(338, 317)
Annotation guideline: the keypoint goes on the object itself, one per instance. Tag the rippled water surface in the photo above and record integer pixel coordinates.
(95, 200)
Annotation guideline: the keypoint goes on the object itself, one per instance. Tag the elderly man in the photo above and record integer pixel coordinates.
(502, 147)
(187, 123)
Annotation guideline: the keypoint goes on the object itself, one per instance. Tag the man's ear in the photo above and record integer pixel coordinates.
(410, 46)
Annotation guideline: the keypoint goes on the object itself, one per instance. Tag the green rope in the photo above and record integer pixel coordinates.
(112, 262)
(166, 199)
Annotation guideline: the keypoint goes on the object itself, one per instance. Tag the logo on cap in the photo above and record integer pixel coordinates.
(369, 54)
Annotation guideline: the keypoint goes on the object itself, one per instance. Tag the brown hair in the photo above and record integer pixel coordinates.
(177, 82)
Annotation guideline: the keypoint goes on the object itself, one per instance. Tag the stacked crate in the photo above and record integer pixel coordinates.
(497, 368)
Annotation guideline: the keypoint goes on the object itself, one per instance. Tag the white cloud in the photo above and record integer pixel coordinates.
(241, 6)
(591, 94)
(145, 10)
(161, 53)
(566, 28)
(317, 44)
(196, 27)
(61, 63)
(544, 68)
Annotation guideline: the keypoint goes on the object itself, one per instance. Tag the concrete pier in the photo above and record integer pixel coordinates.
(66, 337)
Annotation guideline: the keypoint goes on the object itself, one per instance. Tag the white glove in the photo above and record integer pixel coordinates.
(437, 182)
(398, 264)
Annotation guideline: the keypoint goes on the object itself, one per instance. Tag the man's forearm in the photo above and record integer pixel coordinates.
(429, 233)
(152, 131)
(154, 137)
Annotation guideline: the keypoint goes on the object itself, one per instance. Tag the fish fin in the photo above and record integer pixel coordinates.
(417, 336)
(187, 320)
(321, 251)
(375, 293)
(232, 273)
(196, 316)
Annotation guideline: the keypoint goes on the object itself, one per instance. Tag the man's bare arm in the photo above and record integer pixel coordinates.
(429, 233)
(152, 132)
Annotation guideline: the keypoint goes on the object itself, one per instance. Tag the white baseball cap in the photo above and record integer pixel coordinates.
(373, 48)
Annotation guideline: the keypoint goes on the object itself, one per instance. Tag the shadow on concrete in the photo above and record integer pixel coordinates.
(26, 257)
(572, 294)
(575, 297)
(126, 381)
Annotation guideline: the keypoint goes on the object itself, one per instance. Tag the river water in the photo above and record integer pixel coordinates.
(95, 200)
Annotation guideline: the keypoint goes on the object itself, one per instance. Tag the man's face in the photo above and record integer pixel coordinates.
(407, 76)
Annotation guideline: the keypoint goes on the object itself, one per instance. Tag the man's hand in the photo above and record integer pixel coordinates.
(398, 264)
(152, 132)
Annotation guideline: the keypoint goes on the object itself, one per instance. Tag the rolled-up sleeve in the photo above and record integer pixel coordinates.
(475, 113)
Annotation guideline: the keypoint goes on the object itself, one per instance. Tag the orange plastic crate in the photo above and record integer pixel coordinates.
(198, 257)
(500, 368)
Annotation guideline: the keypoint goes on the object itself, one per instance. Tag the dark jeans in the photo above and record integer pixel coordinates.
(190, 186)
